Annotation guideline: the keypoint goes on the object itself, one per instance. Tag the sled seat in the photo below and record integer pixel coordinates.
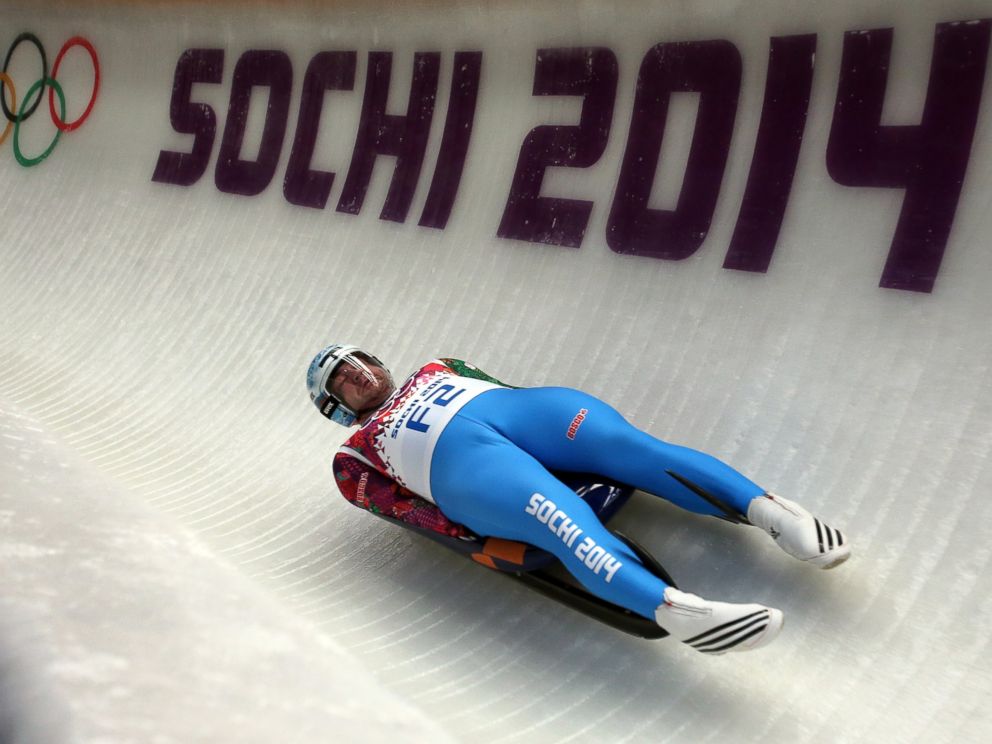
(526, 563)
(603, 495)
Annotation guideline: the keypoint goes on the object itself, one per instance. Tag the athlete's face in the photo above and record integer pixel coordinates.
(361, 383)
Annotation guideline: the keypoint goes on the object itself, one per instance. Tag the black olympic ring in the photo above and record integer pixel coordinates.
(26, 36)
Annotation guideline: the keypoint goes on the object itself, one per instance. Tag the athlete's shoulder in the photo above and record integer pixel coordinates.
(439, 364)
(466, 369)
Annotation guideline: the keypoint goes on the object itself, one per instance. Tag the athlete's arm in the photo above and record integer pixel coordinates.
(366, 487)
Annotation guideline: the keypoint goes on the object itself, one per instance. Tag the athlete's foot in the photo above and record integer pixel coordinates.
(798, 532)
(717, 627)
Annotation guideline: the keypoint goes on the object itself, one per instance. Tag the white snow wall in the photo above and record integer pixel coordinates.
(758, 228)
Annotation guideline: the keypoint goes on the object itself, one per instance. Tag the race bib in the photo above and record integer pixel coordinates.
(409, 436)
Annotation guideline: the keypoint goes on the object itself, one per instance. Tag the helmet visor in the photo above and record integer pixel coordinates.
(359, 381)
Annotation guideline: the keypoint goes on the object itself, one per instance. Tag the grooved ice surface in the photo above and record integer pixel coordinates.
(118, 624)
(175, 564)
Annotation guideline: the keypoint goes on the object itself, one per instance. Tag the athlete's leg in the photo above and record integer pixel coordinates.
(567, 429)
(570, 430)
(481, 480)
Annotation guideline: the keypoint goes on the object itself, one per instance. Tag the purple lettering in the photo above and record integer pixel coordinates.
(271, 69)
(404, 137)
(713, 69)
(454, 142)
(928, 160)
(776, 152)
(592, 74)
(186, 168)
(327, 71)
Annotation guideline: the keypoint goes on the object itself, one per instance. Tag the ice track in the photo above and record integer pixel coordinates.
(175, 562)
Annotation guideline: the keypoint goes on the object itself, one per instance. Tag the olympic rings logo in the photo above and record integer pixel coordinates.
(29, 106)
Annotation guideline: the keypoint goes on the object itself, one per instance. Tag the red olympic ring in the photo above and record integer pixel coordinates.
(85, 44)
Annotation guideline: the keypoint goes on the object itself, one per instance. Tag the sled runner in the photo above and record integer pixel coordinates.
(532, 566)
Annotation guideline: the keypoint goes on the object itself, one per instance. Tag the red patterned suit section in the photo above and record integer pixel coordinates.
(366, 487)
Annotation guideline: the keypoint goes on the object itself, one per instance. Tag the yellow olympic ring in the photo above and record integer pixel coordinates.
(5, 80)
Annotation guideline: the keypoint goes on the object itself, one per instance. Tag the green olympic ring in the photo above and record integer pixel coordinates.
(40, 84)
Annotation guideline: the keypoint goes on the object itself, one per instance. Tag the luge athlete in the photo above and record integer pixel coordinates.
(453, 446)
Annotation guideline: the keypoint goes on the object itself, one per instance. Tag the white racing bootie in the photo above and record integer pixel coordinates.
(798, 532)
(717, 627)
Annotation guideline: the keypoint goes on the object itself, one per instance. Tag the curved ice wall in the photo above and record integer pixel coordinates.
(759, 229)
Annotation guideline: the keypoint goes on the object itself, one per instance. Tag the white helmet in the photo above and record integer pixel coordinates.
(319, 380)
